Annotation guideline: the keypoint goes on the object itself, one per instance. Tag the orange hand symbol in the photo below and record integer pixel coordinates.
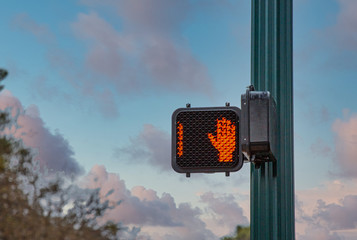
(225, 141)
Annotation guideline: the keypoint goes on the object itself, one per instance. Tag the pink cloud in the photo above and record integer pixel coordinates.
(326, 219)
(314, 232)
(101, 58)
(103, 54)
(345, 28)
(224, 211)
(134, 209)
(174, 67)
(148, 48)
(26, 23)
(331, 48)
(149, 17)
(338, 216)
(158, 216)
(146, 51)
(327, 212)
(316, 114)
(345, 145)
(151, 146)
(52, 150)
(144, 194)
(320, 148)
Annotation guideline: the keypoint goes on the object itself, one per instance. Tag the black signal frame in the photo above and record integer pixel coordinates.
(199, 122)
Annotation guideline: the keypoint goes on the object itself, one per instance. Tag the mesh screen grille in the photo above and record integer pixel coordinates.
(194, 148)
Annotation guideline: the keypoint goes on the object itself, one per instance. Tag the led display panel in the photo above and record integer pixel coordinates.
(206, 140)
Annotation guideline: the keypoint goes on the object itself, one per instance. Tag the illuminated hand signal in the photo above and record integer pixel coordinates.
(225, 141)
(180, 138)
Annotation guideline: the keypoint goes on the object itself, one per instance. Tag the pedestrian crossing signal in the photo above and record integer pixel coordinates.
(206, 140)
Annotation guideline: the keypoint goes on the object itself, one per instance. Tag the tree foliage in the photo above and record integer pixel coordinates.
(33, 206)
(242, 233)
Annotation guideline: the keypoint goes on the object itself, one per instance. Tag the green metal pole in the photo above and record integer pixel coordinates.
(272, 185)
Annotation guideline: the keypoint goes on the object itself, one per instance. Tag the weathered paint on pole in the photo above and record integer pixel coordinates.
(272, 185)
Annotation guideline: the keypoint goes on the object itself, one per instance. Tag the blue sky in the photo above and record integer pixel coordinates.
(94, 84)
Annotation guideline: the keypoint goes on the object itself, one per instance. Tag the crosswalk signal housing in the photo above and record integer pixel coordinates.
(259, 134)
(206, 140)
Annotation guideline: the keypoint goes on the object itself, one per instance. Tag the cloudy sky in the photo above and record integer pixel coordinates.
(93, 84)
